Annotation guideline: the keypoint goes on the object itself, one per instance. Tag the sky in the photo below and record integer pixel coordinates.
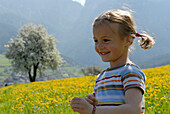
(82, 2)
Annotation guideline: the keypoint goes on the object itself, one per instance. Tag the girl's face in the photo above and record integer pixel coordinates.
(109, 45)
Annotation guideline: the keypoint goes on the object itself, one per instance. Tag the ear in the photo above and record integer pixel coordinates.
(129, 40)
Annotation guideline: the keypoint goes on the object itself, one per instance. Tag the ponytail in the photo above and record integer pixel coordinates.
(127, 26)
(146, 41)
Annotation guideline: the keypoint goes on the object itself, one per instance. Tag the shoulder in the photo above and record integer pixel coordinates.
(133, 77)
(131, 70)
(99, 76)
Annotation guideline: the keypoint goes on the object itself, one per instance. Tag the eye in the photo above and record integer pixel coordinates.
(95, 41)
(106, 40)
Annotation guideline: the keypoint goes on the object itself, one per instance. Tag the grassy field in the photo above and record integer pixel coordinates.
(4, 61)
(6, 65)
(53, 97)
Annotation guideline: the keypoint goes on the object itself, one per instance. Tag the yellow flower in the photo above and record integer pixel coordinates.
(13, 108)
(55, 95)
(163, 98)
(149, 102)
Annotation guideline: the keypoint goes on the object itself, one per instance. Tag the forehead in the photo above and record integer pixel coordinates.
(104, 29)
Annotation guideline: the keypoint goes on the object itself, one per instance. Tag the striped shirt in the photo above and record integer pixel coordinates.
(112, 83)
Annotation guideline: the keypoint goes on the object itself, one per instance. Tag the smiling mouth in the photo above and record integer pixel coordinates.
(104, 53)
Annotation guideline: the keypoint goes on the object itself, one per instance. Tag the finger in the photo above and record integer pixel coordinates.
(96, 101)
(89, 100)
(76, 110)
(76, 100)
(74, 103)
(74, 106)
(91, 97)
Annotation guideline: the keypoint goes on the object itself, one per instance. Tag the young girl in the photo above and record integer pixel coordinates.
(120, 88)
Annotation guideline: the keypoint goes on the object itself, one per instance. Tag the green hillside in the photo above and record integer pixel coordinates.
(4, 68)
(68, 69)
(71, 24)
(4, 61)
(53, 97)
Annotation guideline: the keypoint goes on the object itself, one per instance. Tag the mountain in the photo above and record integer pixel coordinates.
(71, 24)
(156, 61)
(149, 15)
(56, 15)
(6, 31)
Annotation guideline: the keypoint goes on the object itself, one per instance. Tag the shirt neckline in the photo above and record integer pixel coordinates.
(113, 68)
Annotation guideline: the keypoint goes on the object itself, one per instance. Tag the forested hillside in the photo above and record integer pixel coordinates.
(70, 23)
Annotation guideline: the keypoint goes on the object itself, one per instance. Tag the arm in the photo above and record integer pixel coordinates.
(133, 101)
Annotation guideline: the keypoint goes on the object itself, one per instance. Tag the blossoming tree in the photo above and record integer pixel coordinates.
(33, 50)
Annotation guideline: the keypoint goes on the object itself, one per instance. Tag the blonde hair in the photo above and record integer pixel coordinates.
(127, 26)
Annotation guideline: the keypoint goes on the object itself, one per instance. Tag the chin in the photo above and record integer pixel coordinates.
(105, 60)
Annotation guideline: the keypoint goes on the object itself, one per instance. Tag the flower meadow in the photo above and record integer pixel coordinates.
(53, 97)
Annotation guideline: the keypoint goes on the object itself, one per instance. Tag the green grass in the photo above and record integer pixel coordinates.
(4, 61)
(2, 78)
(1, 69)
(70, 70)
(53, 97)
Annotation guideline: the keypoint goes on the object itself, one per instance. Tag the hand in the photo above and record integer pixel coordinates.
(81, 105)
(91, 99)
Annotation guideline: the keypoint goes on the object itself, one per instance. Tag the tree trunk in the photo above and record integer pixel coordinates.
(35, 72)
(33, 78)
(30, 77)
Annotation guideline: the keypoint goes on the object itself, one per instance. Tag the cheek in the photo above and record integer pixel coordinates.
(114, 49)
(96, 48)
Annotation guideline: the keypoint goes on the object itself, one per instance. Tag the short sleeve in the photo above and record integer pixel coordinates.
(133, 77)
(98, 77)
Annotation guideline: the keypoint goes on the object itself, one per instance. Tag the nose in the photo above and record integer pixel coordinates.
(100, 45)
